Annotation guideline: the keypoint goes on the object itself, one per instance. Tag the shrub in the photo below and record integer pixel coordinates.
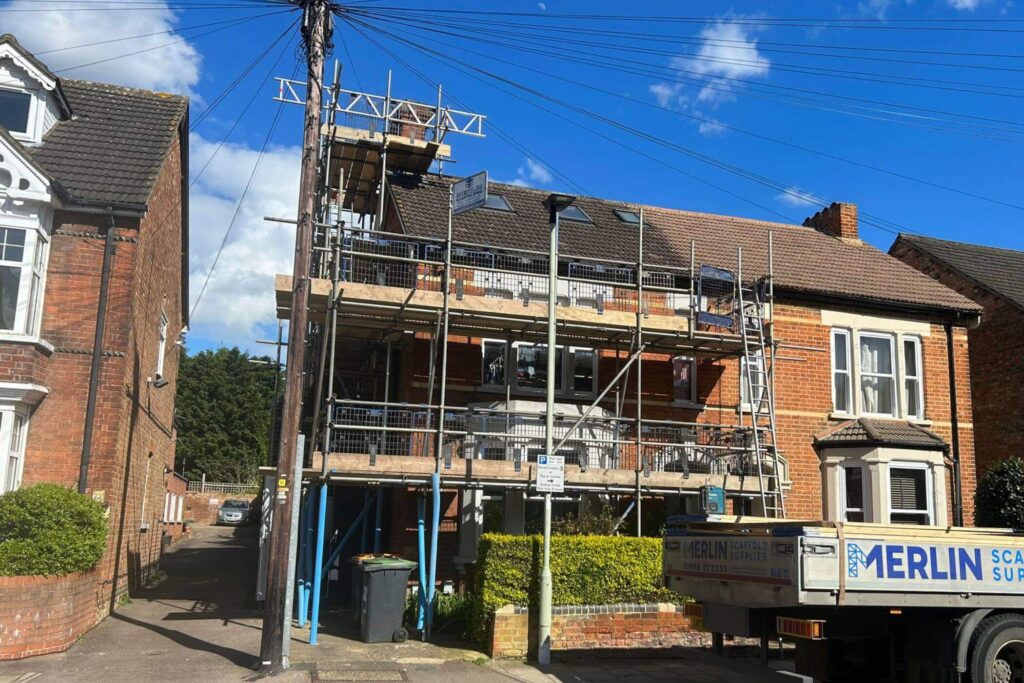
(999, 500)
(586, 570)
(50, 530)
(593, 522)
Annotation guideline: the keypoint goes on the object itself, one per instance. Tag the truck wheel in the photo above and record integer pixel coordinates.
(997, 650)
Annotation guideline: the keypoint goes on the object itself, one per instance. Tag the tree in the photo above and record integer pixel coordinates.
(224, 408)
(999, 500)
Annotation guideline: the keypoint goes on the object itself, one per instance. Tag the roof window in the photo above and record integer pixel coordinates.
(626, 216)
(497, 202)
(14, 110)
(575, 213)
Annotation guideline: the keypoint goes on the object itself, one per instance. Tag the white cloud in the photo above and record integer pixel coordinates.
(794, 196)
(174, 68)
(729, 51)
(238, 305)
(875, 8)
(530, 173)
(710, 127)
(665, 93)
(968, 5)
(542, 7)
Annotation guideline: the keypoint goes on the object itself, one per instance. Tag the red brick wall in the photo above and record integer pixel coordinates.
(997, 373)
(605, 627)
(44, 614)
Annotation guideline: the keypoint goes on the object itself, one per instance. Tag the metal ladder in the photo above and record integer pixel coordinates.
(757, 375)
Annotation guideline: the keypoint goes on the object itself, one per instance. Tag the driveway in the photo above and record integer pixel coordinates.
(200, 623)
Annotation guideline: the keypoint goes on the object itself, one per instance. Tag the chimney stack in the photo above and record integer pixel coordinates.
(838, 220)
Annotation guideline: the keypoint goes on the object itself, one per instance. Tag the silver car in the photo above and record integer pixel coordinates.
(233, 512)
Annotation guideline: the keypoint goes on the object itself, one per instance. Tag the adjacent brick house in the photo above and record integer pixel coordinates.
(864, 387)
(93, 229)
(994, 279)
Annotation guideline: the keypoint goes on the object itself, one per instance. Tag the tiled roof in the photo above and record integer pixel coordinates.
(1001, 271)
(111, 151)
(867, 432)
(805, 261)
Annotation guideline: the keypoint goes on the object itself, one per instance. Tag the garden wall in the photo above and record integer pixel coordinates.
(593, 627)
(44, 614)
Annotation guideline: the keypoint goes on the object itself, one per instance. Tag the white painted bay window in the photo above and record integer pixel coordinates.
(886, 369)
(13, 434)
(22, 267)
(575, 368)
(853, 493)
(910, 493)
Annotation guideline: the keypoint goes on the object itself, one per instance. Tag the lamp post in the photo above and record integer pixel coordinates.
(555, 203)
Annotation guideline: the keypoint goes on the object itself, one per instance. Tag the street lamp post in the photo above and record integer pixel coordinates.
(555, 203)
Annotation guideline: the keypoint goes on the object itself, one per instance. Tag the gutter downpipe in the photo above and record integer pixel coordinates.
(97, 354)
(954, 421)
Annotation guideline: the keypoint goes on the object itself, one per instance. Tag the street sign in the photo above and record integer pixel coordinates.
(551, 473)
(469, 193)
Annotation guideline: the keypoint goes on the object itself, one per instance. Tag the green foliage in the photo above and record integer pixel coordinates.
(224, 409)
(451, 613)
(586, 570)
(50, 530)
(601, 521)
(999, 500)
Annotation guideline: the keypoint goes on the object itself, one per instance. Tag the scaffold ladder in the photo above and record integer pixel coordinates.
(756, 373)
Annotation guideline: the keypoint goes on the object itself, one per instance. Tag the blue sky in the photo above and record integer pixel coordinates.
(698, 82)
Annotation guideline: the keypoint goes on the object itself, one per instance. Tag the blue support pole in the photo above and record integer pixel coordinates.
(360, 519)
(435, 484)
(317, 563)
(378, 521)
(309, 533)
(421, 504)
(300, 569)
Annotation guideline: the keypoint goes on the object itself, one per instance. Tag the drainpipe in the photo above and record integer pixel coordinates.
(97, 354)
(958, 504)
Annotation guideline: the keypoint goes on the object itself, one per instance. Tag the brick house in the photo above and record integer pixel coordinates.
(994, 279)
(94, 233)
(863, 376)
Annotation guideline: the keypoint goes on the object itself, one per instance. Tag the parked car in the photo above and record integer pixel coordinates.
(234, 512)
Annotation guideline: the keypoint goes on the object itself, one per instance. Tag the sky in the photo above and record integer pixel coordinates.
(922, 128)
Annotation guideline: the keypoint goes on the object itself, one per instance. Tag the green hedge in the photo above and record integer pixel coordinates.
(999, 500)
(586, 570)
(50, 530)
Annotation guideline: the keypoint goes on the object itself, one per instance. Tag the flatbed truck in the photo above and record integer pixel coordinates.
(862, 602)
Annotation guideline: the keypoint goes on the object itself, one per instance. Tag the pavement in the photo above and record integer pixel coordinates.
(199, 622)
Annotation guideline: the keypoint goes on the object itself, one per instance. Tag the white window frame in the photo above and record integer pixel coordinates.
(919, 377)
(34, 122)
(31, 281)
(745, 403)
(850, 406)
(894, 364)
(161, 345)
(566, 377)
(865, 497)
(929, 487)
(11, 453)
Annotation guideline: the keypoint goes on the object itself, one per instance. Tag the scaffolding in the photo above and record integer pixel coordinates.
(373, 289)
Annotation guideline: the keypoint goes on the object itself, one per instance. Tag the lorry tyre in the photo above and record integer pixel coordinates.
(997, 650)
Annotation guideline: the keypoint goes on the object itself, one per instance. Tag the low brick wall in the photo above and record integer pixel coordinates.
(201, 508)
(44, 614)
(593, 627)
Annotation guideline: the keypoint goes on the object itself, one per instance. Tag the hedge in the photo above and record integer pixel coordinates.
(586, 570)
(999, 500)
(50, 530)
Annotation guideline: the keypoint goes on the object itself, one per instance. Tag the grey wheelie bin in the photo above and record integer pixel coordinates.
(382, 604)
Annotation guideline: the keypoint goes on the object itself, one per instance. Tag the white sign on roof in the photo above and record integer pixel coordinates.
(469, 193)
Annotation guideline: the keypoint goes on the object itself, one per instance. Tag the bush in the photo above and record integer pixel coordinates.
(50, 530)
(600, 522)
(999, 500)
(586, 570)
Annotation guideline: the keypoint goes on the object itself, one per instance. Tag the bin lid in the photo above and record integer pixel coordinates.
(386, 562)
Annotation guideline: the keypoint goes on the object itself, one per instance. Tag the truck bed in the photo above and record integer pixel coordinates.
(758, 562)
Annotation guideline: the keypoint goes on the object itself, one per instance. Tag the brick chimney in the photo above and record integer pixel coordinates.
(838, 220)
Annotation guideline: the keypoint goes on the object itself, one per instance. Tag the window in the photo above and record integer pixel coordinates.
(497, 202)
(532, 367)
(14, 110)
(583, 363)
(494, 363)
(22, 263)
(913, 390)
(161, 350)
(842, 386)
(877, 375)
(853, 494)
(684, 387)
(574, 213)
(759, 380)
(631, 217)
(909, 494)
(13, 429)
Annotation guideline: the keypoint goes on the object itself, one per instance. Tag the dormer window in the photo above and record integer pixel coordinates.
(14, 111)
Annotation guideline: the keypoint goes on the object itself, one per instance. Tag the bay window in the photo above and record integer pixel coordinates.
(532, 367)
(913, 392)
(910, 499)
(22, 264)
(853, 493)
(584, 363)
(886, 370)
(13, 434)
(575, 368)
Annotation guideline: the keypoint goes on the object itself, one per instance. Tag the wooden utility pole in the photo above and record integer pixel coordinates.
(316, 27)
